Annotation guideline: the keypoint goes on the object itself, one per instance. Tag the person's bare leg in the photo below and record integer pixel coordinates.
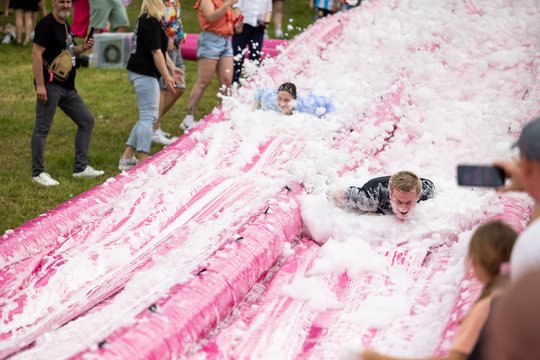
(278, 17)
(28, 26)
(205, 71)
(225, 74)
(141, 156)
(42, 8)
(19, 15)
(6, 8)
(166, 101)
(128, 152)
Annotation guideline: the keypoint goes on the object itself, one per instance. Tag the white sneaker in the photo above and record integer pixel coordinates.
(279, 33)
(166, 134)
(126, 164)
(188, 122)
(159, 138)
(45, 180)
(89, 172)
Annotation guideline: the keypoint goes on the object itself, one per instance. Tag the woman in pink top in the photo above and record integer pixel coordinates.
(489, 253)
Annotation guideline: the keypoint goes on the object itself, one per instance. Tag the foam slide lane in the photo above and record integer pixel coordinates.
(313, 328)
(39, 307)
(222, 207)
(190, 310)
(110, 209)
(51, 229)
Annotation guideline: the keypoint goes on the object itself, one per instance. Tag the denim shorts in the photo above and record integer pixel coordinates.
(213, 46)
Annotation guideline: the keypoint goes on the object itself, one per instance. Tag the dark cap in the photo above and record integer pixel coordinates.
(529, 140)
(288, 87)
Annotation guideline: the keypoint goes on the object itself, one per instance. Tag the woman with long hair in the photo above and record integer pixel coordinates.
(148, 62)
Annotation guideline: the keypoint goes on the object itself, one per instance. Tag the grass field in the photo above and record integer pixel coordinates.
(109, 96)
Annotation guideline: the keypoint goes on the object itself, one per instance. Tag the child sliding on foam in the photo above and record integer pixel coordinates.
(286, 101)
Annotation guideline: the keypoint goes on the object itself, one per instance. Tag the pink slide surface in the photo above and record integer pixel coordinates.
(203, 250)
(271, 47)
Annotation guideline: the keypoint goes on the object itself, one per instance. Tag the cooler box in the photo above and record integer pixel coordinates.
(111, 50)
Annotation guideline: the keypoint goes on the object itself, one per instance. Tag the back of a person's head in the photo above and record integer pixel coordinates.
(288, 87)
(405, 181)
(490, 247)
(153, 8)
(514, 327)
(529, 140)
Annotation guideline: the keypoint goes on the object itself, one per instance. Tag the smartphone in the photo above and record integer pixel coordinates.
(91, 33)
(480, 175)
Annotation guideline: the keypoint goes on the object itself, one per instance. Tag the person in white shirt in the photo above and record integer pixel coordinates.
(252, 19)
(525, 176)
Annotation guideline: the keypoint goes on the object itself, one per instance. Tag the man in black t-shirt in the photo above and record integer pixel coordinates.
(52, 35)
(385, 195)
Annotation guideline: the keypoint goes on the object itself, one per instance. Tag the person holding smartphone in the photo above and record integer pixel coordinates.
(52, 36)
(147, 63)
(524, 175)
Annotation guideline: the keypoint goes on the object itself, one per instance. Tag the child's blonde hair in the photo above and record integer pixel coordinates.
(490, 247)
(153, 8)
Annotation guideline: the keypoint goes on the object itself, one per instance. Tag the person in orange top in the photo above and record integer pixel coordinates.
(214, 52)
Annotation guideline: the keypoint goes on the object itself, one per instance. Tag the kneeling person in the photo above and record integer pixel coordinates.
(397, 194)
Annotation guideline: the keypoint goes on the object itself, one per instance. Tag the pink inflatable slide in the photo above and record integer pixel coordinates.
(271, 47)
(206, 250)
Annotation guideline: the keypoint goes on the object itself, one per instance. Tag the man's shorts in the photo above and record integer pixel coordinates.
(177, 60)
(213, 46)
(113, 11)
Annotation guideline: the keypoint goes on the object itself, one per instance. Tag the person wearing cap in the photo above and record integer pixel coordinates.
(397, 194)
(286, 101)
(524, 175)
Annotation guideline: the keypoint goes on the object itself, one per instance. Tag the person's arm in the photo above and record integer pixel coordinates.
(362, 199)
(268, 14)
(37, 68)
(211, 14)
(173, 70)
(159, 60)
(428, 190)
(86, 45)
(513, 172)
(42, 8)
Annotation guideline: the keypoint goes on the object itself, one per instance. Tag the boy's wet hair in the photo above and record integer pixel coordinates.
(288, 87)
(405, 181)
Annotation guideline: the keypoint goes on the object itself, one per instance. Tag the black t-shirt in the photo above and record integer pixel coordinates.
(149, 34)
(50, 34)
(374, 196)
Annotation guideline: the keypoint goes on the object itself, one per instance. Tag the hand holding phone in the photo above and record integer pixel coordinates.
(480, 175)
(89, 42)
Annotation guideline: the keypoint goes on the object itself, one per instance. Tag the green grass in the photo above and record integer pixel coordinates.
(109, 96)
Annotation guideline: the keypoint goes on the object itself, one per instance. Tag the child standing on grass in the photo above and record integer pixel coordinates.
(489, 254)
